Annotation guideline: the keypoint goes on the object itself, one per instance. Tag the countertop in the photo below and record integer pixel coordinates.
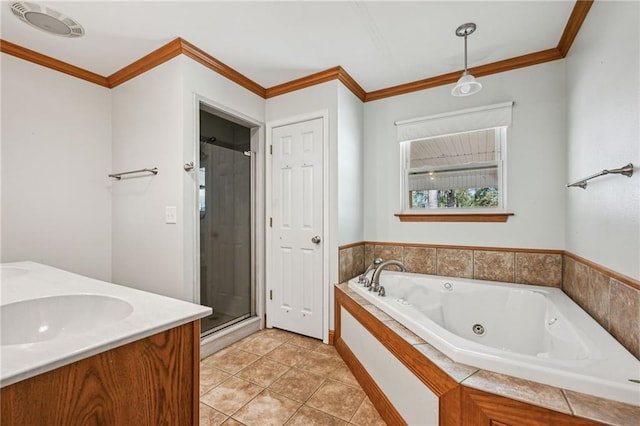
(151, 314)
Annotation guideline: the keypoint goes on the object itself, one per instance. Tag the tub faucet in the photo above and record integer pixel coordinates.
(375, 280)
(362, 279)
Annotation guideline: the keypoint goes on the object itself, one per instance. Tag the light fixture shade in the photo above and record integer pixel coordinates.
(466, 85)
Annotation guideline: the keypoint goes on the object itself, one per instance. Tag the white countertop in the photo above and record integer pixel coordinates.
(151, 314)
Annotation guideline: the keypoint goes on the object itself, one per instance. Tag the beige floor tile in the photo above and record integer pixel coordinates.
(276, 332)
(366, 415)
(320, 364)
(337, 399)
(266, 409)
(211, 377)
(259, 344)
(305, 342)
(230, 361)
(297, 384)
(288, 354)
(232, 422)
(263, 372)
(211, 417)
(307, 416)
(328, 350)
(230, 395)
(344, 375)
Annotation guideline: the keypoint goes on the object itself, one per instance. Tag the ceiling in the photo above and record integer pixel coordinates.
(379, 43)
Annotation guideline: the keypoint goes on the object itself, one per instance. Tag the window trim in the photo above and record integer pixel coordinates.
(454, 217)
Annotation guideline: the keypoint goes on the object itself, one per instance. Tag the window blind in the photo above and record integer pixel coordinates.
(467, 120)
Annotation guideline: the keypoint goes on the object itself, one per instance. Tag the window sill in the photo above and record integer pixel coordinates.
(454, 217)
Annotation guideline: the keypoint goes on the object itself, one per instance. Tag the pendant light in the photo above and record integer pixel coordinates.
(467, 84)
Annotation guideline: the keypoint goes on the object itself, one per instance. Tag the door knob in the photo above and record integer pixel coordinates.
(316, 240)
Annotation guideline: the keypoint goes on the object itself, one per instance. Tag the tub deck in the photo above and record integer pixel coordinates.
(439, 372)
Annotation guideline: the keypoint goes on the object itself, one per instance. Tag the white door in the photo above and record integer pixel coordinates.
(295, 289)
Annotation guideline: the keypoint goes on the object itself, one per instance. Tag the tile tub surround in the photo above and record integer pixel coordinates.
(405, 344)
(611, 299)
(274, 377)
(537, 267)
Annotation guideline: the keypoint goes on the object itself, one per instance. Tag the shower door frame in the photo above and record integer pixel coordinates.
(257, 216)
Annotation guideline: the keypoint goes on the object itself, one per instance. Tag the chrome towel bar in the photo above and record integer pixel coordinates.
(118, 176)
(624, 170)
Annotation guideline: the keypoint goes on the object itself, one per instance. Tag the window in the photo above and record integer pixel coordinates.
(454, 164)
(460, 171)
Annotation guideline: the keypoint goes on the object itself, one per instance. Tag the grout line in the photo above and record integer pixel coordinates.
(568, 403)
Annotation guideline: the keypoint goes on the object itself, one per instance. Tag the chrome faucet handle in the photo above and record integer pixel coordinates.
(382, 292)
(362, 279)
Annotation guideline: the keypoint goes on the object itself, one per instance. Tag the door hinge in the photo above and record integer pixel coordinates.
(270, 294)
(270, 222)
(271, 149)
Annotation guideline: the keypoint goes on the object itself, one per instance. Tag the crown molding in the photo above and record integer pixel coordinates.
(213, 64)
(479, 71)
(578, 15)
(146, 63)
(181, 46)
(52, 63)
(303, 82)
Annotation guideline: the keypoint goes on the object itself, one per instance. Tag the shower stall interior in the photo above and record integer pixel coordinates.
(225, 199)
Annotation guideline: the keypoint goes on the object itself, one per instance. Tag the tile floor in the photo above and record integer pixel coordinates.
(274, 377)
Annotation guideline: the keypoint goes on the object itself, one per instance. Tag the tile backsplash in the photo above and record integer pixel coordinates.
(612, 300)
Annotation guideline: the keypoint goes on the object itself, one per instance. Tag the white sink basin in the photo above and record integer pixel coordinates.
(11, 272)
(46, 318)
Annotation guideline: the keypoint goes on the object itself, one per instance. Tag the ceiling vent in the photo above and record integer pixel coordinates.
(46, 19)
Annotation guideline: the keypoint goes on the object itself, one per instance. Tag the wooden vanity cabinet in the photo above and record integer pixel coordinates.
(153, 381)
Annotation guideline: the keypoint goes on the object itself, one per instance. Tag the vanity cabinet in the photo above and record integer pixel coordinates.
(152, 381)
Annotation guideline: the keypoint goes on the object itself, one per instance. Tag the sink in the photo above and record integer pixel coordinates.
(55, 317)
(11, 272)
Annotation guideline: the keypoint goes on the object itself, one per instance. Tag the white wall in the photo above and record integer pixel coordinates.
(56, 155)
(148, 132)
(603, 96)
(350, 167)
(535, 162)
(155, 125)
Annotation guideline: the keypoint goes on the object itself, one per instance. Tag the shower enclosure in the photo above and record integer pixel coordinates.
(226, 233)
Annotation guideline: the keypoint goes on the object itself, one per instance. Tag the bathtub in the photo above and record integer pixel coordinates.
(531, 332)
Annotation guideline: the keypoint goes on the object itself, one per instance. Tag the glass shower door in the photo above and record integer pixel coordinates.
(225, 233)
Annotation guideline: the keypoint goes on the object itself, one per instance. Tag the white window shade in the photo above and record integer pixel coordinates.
(467, 120)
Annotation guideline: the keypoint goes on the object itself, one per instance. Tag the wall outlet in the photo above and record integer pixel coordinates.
(171, 214)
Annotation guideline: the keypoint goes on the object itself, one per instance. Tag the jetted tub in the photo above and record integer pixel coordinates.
(532, 332)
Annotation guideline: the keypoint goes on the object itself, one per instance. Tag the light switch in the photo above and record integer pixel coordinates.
(171, 214)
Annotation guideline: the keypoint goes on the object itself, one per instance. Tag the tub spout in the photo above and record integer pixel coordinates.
(375, 280)
(362, 279)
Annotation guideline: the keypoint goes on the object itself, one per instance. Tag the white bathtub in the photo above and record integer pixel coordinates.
(531, 332)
